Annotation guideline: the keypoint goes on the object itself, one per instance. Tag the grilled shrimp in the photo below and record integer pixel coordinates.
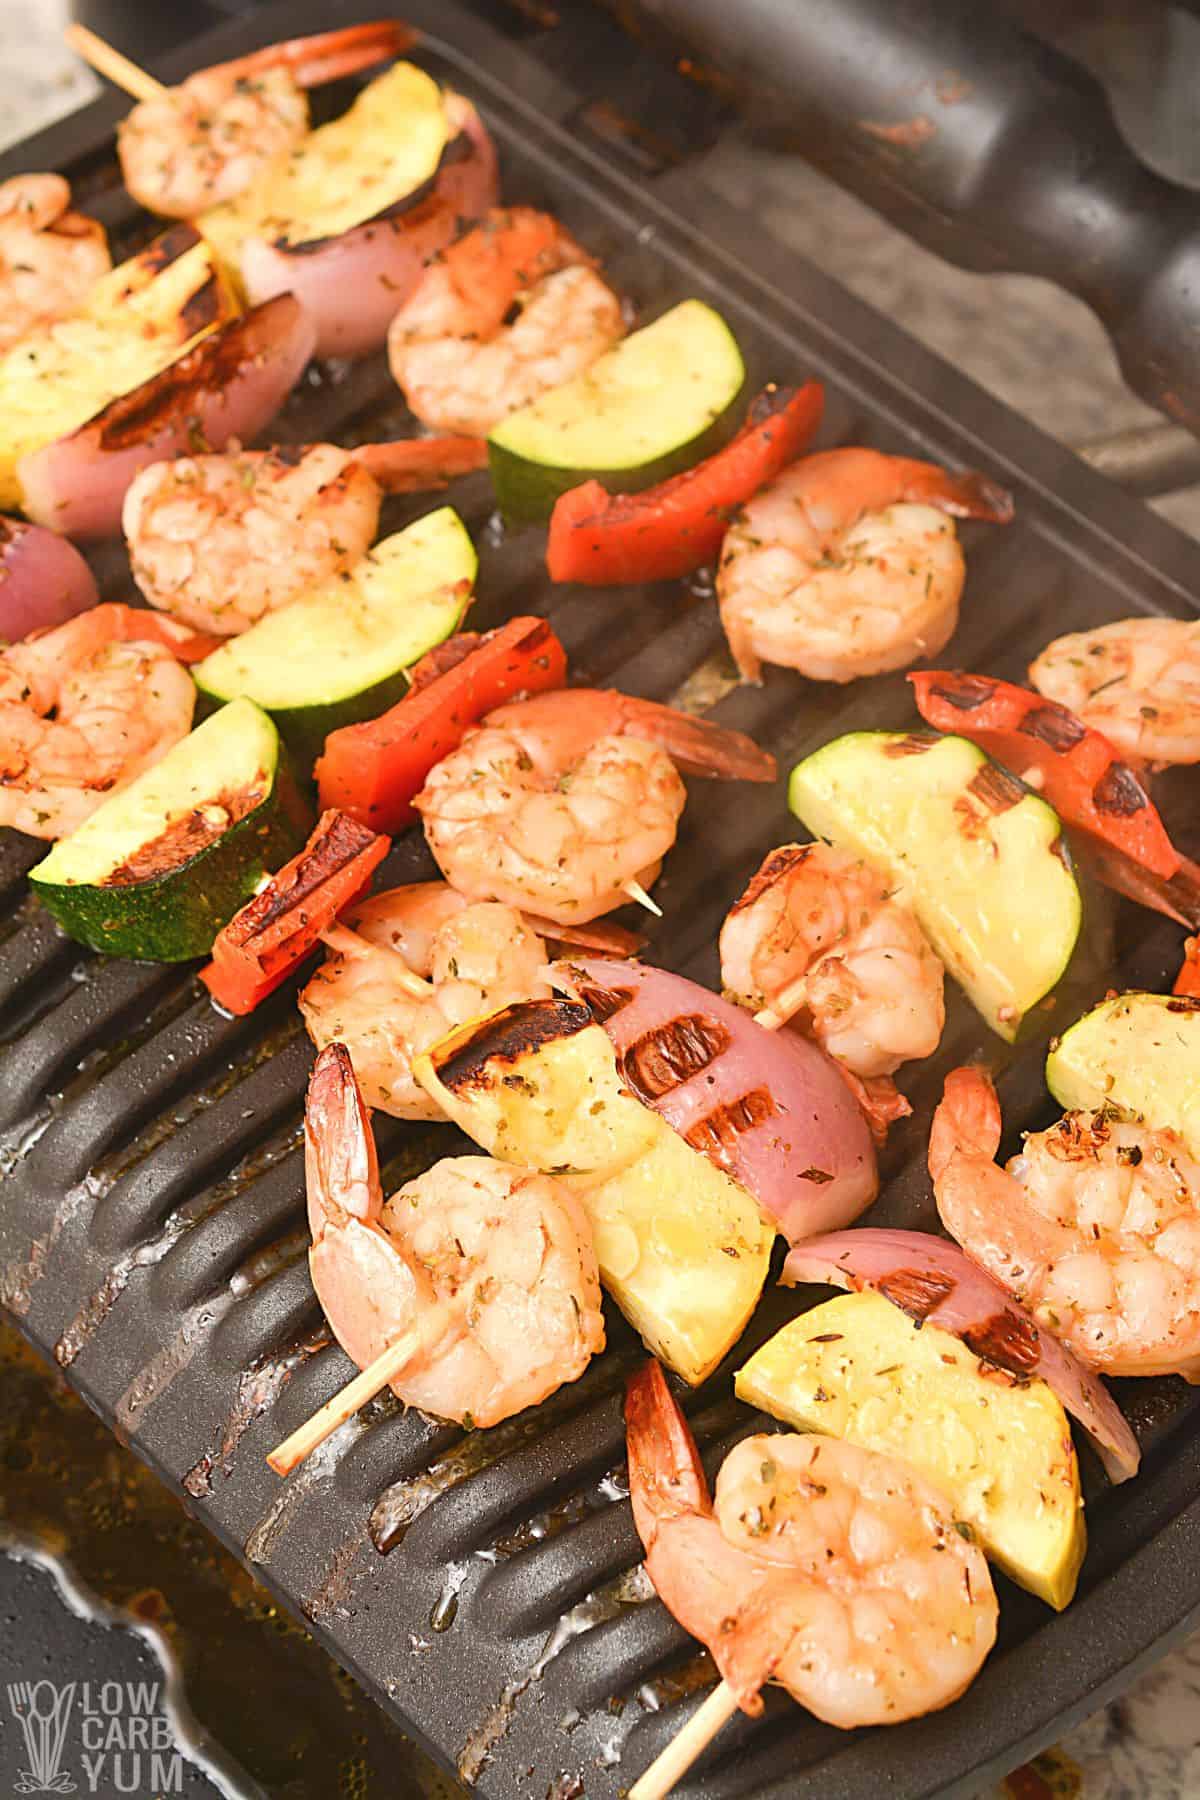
(836, 1571)
(492, 1265)
(1137, 681)
(462, 359)
(209, 139)
(559, 803)
(84, 708)
(49, 255)
(848, 564)
(221, 540)
(818, 930)
(477, 957)
(1095, 1226)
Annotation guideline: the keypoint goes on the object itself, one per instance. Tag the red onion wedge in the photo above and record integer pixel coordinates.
(230, 386)
(43, 580)
(932, 1280)
(353, 283)
(768, 1108)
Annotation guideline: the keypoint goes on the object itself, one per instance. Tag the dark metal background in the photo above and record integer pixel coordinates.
(151, 1223)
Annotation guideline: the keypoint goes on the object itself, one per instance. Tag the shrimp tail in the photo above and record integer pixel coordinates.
(973, 496)
(967, 1119)
(666, 1476)
(881, 1100)
(1187, 982)
(341, 1168)
(697, 746)
(419, 465)
(328, 55)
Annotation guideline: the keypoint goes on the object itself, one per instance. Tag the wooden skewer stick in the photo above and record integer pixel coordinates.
(675, 1761)
(344, 1404)
(788, 1002)
(112, 65)
(637, 892)
(348, 942)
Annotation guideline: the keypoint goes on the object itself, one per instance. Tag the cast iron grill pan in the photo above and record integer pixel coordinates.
(151, 1230)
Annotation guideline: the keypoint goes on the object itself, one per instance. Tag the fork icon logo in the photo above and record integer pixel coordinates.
(42, 1711)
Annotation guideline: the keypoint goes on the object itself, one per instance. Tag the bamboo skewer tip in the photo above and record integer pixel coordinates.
(344, 1404)
(112, 64)
(673, 1763)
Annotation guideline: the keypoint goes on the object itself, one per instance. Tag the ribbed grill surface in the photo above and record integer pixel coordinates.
(151, 1225)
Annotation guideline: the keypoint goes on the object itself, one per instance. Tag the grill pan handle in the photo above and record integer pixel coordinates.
(988, 147)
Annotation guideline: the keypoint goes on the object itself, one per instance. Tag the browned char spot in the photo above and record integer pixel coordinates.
(338, 845)
(1009, 1341)
(913, 743)
(717, 1133)
(916, 1291)
(169, 398)
(776, 867)
(603, 1002)
(1119, 792)
(1052, 725)
(671, 1054)
(963, 692)
(187, 836)
(997, 789)
(202, 306)
(168, 248)
(518, 1031)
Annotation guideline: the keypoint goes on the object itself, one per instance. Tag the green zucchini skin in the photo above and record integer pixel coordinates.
(980, 857)
(528, 482)
(176, 915)
(342, 653)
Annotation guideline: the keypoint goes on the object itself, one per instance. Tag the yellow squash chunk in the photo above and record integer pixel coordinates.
(389, 143)
(138, 319)
(682, 1248)
(858, 1368)
(1140, 1052)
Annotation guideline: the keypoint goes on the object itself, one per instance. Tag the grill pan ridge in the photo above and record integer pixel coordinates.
(151, 1225)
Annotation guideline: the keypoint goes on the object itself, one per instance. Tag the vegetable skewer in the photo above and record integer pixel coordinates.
(112, 64)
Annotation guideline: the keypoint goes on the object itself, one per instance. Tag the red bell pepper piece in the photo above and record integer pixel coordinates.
(372, 771)
(603, 539)
(275, 931)
(1083, 778)
(1188, 979)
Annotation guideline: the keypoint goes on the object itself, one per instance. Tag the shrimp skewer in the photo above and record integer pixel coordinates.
(1095, 1226)
(186, 148)
(461, 358)
(559, 804)
(50, 256)
(485, 1272)
(848, 564)
(1137, 681)
(221, 540)
(818, 933)
(832, 1570)
(84, 708)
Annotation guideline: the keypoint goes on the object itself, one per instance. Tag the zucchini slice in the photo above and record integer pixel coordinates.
(858, 1368)
(163, 865)
(681, 1246)
(340, 654)
(377, 154)
(654, 404)
(982, 860)
(1140, 1052)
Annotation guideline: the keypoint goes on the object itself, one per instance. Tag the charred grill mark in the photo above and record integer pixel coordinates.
(203, 306)
(442, 658)
(519, 1031)
(671, 1054)
(169, 398)
(1183, 1003)
(914, 743)
(187, 836)
(769, 402)
(777, 866)
(1119, 792)
(1009, 1341)
(996, 788)
(415, 207)
(964, 692)
(340, 844)
(717, 1133)
(916, 1291)
(168, 248)
(1053, 725)
(601, 1002)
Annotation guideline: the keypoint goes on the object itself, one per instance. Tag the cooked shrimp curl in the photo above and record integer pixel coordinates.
(1095, 1226)
(50, 257)
(223, 539)
(556, 804)
(209, 139)
(835, 1571)
(491, 1264)
(1137, 681)
(848, 564)
(84, 708)
(462, 359)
